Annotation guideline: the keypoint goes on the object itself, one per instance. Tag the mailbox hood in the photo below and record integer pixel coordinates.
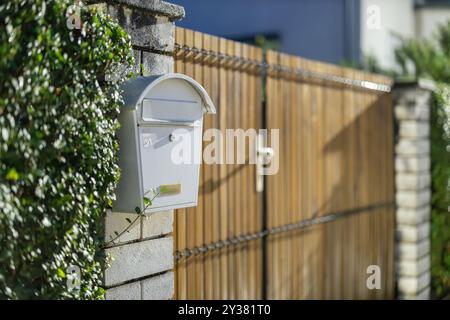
(168, 86)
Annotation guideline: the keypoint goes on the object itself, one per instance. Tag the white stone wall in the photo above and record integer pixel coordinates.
(413, 180)
(142, 259)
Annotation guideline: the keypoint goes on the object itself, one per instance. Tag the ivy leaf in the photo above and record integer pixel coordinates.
(61, 273)
(12, 175)
(147, 202)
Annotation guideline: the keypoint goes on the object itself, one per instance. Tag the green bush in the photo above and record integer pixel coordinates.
(440, 201)
(58, 165)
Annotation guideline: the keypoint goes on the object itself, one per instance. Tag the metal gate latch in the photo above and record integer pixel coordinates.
(263, 157)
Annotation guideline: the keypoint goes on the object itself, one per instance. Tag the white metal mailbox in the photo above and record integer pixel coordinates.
(160, 114)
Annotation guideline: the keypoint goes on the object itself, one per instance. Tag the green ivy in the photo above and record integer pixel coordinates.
(440, 201)
(58, 167)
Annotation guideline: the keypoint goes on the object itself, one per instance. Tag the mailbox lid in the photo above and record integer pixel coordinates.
(165, 110)
(172, 86)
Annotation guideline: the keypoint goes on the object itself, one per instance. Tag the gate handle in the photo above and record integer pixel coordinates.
(266, 152)
(263, 156)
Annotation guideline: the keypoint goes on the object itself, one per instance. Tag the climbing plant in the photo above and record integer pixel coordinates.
(58, 167)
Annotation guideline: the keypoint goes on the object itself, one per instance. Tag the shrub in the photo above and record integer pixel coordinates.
(58, 165)
(440, 201)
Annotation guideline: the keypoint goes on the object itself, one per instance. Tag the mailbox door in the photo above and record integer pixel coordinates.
(170, 160)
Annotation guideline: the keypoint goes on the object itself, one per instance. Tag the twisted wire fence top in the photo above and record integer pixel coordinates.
(301, 73)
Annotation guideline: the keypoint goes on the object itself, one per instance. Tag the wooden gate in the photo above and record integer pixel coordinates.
(326, 218)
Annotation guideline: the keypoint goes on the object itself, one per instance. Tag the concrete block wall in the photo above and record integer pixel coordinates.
(413, 191)
(142, 259)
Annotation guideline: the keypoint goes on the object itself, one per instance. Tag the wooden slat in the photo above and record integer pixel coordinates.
(243, 115)
(207, 191)
(216, 210)
(270, 202)
(358, 201)
(231, 178)
(192, 277)
(180, 218)
(349, 173)
(252, 270)
(318, 194)
(297, 240)
(223, 189)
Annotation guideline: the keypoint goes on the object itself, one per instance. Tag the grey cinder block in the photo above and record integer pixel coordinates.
(408, 216)
(413, 199)
(129, 291)
(412, 164)
(160, 287)
(140, 259)
(157, 224)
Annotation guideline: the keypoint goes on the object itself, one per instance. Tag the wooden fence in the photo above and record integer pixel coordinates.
(326, 216)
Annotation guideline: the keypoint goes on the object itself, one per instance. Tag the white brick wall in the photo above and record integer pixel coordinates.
(412, 164)
(414, 112)
(413, 285)
(413, 194)
(155, 287)
(408, 233)
(422, 295)
(414, 129)
(412, 250)
(413, 199)
(140, 259)
(130, 291)
(158, 288)
(116, 222)
(412, 180)
(410, 147)
(414, 268)
(157, 224)
(408, 216)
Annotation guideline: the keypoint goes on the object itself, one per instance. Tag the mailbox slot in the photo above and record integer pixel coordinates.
(160, 110)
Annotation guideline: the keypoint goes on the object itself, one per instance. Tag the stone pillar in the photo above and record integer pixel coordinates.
(142, 257)
(413, 189)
